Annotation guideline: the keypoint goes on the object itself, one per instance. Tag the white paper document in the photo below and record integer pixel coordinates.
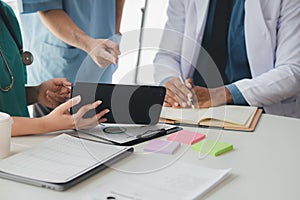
(177, 182)
(60, 159)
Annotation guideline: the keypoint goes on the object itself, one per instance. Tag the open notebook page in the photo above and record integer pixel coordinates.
(235, 115)
(187, 115)
(59, 159)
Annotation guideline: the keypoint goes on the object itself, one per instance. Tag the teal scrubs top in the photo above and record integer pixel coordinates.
(12, 102)
(52, 57)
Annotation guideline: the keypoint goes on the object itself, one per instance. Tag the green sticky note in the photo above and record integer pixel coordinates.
(213, 148)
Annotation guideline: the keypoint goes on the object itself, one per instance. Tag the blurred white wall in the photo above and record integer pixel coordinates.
(155, 18)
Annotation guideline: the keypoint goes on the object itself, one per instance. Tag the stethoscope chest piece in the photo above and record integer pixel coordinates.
(27, 58)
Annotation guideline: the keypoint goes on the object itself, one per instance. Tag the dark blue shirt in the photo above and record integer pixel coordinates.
(237, 66)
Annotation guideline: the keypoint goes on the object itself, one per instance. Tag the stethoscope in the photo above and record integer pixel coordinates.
(7, 88)
(26, 56)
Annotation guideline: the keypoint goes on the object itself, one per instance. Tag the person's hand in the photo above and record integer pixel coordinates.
(211, 97)
(104, 52)
(54, 92)
(61, 119)
(177, 93)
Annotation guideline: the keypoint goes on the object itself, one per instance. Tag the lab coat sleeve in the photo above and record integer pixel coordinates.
(167, 60)
(282, 82)
(29, 6)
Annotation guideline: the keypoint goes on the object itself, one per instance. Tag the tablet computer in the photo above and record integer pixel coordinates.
(128, 104)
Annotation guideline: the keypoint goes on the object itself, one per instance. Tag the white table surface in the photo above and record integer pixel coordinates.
(265, 165)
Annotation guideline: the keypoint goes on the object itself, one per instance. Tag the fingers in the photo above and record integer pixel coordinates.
(84, 109)
(83, 123)
(170, 100)
(61, 82)
(55, 99)
(63, 92)
(189, 83)
(60, 85)
(102, 113)
(63, 108)
(102, 57)
(102, 120)
(105, 52)
(58, 93)
(167, 104)
(179, 91)
(108, 56)
(114, 54)
(112, 46)
(184, 91)
(176, 93)
(67, 84)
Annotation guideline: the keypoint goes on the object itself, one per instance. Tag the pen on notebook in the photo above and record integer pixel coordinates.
(189, 98)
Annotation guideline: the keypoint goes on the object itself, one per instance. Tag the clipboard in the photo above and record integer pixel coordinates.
(132, 136)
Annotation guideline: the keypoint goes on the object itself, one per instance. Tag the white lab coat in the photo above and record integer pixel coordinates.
(272, 33)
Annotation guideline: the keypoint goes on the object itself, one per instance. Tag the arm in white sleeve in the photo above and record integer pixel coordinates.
(283, 81)
(167, 61)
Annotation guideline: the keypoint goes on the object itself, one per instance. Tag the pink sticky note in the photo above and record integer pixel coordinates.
(162, 146)
(186, 137)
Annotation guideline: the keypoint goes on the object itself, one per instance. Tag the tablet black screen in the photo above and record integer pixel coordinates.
(128, 104)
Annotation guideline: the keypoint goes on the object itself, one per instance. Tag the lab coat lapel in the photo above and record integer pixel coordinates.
(195, 20)
(260, 54)
(201, 10)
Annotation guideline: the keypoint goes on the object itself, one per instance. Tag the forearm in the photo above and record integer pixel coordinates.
(26, 126)
(119, 12)
(280, 80)
(220, 96)
(63, 27)
(271, 87)
(32, 95)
